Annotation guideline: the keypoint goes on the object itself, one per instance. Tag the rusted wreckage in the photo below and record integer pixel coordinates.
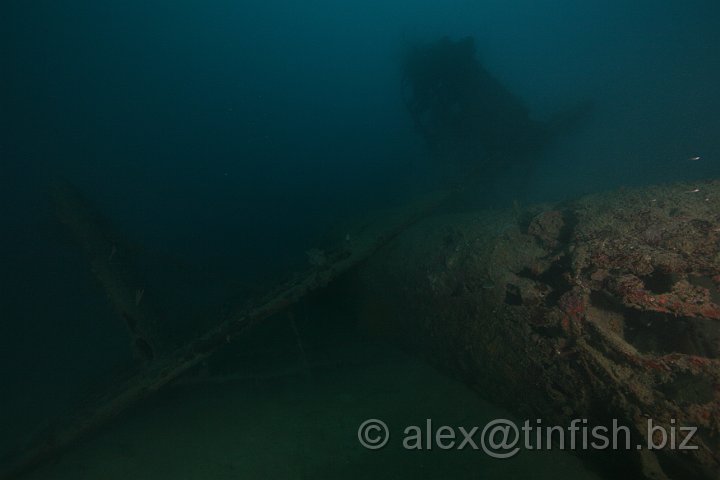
(607, 307)
(604, 308)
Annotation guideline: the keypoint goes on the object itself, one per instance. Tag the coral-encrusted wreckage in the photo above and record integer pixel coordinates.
(607, 307)
(604, 308)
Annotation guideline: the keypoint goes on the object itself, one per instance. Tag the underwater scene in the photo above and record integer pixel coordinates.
(343, 239)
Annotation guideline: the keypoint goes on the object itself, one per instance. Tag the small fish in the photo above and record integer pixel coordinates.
(693, 191)
(694, 159)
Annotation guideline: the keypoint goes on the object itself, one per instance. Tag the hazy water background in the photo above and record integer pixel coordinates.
(231, 134)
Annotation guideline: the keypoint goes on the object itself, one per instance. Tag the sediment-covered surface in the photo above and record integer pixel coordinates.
(603, 308)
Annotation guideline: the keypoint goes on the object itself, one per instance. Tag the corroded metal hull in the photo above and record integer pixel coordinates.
(603, 308)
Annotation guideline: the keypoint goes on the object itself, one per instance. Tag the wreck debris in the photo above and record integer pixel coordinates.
(96, 238)
(466, 115)
(604, 308)
(460, 109)
(162, 368)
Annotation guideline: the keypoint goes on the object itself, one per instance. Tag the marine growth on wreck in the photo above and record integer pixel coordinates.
(268, 240)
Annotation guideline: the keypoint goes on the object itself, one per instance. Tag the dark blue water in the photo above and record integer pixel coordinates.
(231, 135)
